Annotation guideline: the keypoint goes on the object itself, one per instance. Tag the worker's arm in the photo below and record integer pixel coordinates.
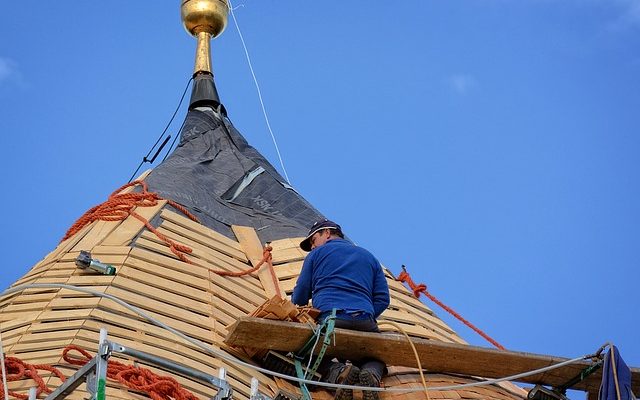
(380, 292)
(302, 291)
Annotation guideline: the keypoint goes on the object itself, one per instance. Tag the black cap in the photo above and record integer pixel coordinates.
(318, 226)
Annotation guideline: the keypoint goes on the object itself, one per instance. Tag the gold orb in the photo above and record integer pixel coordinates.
(204, 16)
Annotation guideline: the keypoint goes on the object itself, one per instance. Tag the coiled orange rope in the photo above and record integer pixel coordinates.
(136, 378)
(422, 288)
(120, 205)
(18, 370)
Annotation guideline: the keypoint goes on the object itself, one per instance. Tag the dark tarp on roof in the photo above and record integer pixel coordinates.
(224, 181)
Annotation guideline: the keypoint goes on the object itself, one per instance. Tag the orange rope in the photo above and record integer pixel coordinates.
(120, 205)
(266, 258)
(18, 370)
(136, 378)
(422, 288)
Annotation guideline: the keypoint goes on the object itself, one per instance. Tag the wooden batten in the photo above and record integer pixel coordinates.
(251, 245)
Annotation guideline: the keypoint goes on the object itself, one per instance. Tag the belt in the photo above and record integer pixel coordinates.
(352, 313)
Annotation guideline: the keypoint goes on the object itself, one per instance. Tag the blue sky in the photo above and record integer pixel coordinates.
(492, 146)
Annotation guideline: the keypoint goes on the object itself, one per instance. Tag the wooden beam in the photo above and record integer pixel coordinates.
(435, 356)
(251, 245)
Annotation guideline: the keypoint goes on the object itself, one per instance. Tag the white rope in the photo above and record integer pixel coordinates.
(4, 369)
(255, 80)
(228, 357)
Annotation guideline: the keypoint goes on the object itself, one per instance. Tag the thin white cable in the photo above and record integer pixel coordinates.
(255, 80)
(4, 369)
(232, 359)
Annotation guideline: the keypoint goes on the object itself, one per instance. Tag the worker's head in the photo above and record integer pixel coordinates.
(320, 233)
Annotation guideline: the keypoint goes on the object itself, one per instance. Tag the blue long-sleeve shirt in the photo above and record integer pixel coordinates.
(341, 275)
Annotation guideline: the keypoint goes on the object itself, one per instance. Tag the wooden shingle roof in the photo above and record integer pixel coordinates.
(38, 323)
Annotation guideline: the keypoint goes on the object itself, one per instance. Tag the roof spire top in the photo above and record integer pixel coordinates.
(204, 19)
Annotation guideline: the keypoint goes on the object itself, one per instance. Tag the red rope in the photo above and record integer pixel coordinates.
(120, 205)
(422, 288)
(266, 258)
(136, 378)
(18, 370)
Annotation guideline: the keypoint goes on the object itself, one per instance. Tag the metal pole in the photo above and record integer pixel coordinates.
(101, 366)
(164, 363)
(4, 369)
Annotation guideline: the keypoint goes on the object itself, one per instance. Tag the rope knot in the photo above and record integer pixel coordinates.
(419, 289)
(266, 254)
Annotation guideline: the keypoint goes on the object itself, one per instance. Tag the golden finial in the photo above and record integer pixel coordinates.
(204, 19)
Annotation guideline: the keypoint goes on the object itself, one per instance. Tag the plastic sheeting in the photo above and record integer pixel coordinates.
(224, 181)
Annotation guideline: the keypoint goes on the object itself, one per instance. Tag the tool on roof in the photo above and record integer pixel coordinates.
(84, 261)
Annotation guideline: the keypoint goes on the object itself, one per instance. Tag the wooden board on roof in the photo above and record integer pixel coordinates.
(131, 226)
(248, 239)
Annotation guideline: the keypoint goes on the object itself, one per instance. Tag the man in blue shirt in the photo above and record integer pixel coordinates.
(338, 274)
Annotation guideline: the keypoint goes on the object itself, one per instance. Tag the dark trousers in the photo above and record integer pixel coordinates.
(330, 369)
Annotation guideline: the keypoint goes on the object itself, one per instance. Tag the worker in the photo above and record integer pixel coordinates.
(340, 275)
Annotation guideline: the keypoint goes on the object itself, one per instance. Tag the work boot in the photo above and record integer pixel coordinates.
(350, 375)
(368, 378)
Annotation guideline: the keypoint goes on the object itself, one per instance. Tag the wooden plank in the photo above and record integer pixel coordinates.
(161, 295)
(111, 250)
(167, 286)
(235, 285)
(408, 300)
(287, 243)
(417, 331)
(287, 250)
(193, 317)
(73, 303)
(201, 268)
(105, 316)
(24, 307)
(55, 326)
(251, 245)
(64, 247)
(399, 292)
(6, 317)
(435, 356)
(400, 315)
(287, 285)
(88, 280)
(200, 251)
(203, 230)
(287, 255)
(99, 231)
(202, 261)
(117, 314)
(205, 241)
(131, 226)
(431, 318)
(168, 268)
(288, 270)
